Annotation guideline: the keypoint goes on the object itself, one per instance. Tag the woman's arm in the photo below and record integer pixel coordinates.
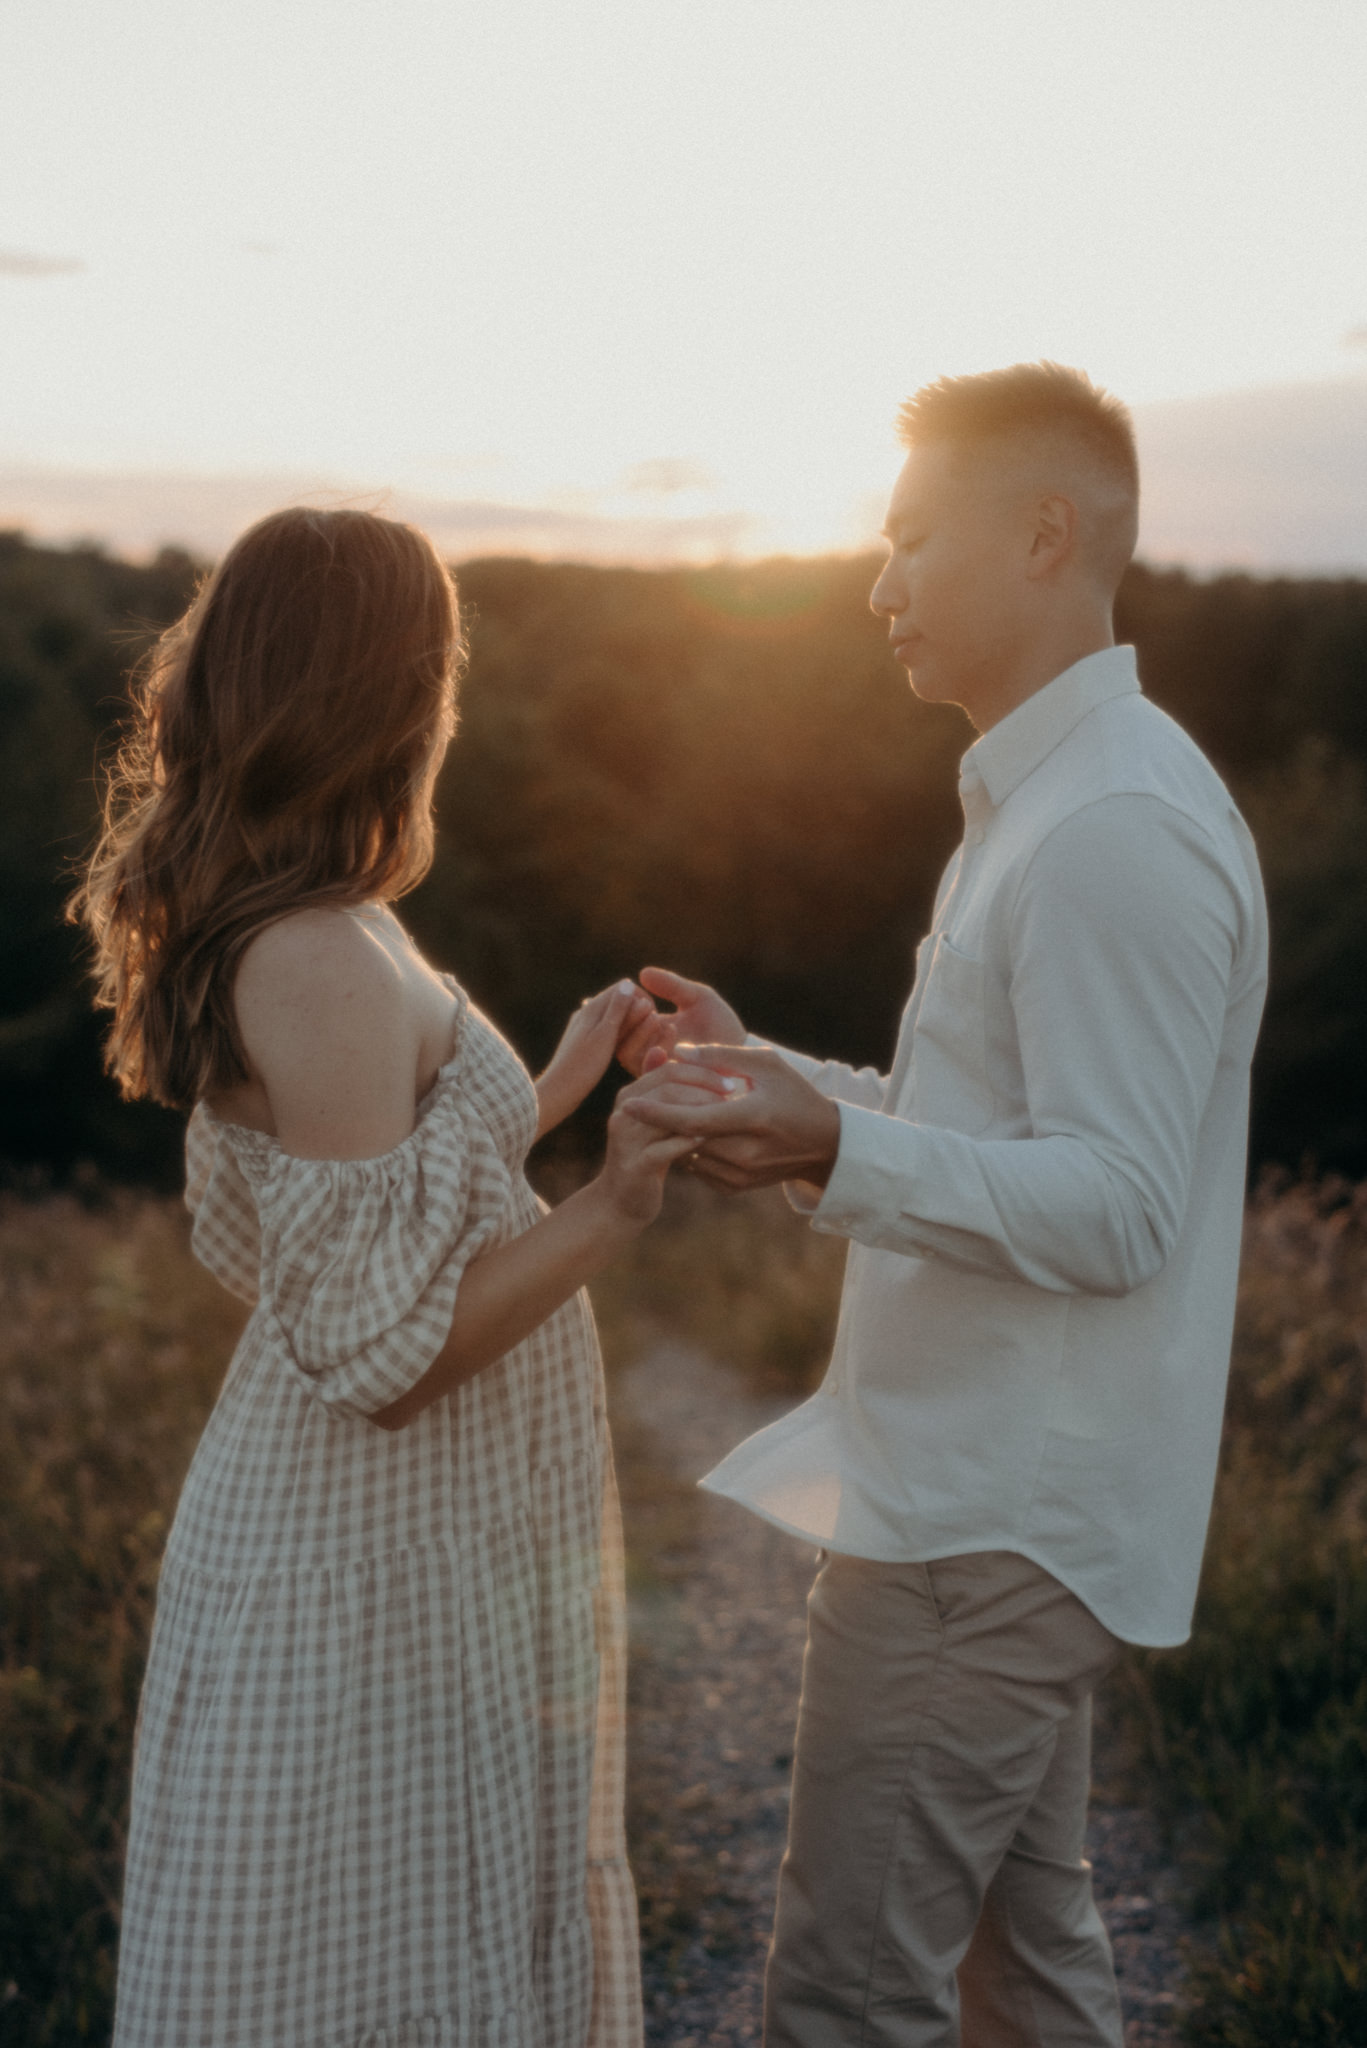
(330, 1035)
(510, 1291)
(586, 1050)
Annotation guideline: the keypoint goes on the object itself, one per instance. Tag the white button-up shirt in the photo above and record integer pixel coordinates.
(1044, 1198)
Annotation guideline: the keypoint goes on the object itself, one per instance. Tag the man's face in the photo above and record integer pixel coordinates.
(953, 586)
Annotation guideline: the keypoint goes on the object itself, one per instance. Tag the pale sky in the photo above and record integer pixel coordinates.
(662, 268)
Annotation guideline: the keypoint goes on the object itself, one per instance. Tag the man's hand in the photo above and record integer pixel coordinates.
(700, 1017)
(778, 1127)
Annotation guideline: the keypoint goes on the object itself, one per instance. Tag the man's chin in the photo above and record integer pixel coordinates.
(926, 684)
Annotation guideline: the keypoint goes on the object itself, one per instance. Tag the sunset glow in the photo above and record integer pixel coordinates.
(644, 268)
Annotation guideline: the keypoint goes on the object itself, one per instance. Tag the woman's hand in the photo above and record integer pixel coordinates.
(639, 1156)
(586, 1050)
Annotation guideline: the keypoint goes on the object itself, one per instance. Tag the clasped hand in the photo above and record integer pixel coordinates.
(752, 1118)
(623, 1022)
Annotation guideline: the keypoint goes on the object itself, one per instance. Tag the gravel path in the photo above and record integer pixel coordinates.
(717, 1601)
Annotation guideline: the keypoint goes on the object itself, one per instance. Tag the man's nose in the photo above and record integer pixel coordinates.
(882, 598)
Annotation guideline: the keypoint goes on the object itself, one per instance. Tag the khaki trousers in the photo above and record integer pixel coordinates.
(940, 1789)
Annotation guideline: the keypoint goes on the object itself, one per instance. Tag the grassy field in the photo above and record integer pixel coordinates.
(1255, 1734)
(112, 1344)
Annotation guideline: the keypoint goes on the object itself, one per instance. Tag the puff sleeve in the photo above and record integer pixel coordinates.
(225, 1235)
(361, 1259)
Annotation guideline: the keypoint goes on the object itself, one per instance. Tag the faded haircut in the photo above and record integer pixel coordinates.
(1054, 405)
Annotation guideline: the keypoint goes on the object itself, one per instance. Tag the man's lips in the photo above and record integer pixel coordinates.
(902, 645)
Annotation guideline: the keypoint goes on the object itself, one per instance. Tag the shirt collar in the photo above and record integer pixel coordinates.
(1002, 759)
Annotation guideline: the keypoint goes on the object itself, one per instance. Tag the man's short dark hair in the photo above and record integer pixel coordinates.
(1051, 400)
(1027, 395)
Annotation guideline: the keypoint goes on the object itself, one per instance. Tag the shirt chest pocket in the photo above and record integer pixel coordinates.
(949, 1072)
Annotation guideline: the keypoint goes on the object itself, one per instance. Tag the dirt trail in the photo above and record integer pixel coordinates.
(717, 1631)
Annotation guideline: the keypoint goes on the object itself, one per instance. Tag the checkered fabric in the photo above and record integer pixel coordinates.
(378, 1775)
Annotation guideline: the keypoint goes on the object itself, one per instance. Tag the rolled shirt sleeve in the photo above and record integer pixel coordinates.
(1116, 957)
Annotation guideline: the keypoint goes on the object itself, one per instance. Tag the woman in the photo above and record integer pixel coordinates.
(378, 1781)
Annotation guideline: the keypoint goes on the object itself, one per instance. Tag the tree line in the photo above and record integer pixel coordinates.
(721, 770)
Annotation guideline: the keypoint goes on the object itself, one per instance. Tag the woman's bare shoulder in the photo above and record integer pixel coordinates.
(304, 943)
(327, 1026)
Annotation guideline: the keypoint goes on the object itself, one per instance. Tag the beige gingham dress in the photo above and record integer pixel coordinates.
(378, 1776)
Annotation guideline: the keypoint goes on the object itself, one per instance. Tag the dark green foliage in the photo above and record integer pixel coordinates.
(70, 624)
(1309, 816)
(1250, 666)
(721, 769)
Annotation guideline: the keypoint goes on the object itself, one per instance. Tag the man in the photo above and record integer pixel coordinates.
(1010, 1462)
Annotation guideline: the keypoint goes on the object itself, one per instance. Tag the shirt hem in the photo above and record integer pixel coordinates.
(931, 1555)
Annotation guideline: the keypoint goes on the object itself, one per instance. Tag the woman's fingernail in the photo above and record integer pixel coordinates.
(625, 988)
(730, 1084)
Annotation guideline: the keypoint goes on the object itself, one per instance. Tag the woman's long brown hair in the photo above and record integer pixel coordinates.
(282, 753)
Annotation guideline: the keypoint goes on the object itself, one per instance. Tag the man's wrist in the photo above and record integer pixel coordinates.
(824, 1162)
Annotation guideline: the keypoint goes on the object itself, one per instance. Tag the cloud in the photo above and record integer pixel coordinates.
(137, 512)
(469, 462)
(1265, 480)
(26, 263)
(663, 475)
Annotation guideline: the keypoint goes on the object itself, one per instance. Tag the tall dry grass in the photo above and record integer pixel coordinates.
(112, 1345)
(745, 1280)
(1256, 1733)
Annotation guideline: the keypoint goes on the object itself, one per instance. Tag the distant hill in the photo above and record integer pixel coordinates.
(719, 769)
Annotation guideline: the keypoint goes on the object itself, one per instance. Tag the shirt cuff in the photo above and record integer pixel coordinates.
(870, 1185)
(807, 1196)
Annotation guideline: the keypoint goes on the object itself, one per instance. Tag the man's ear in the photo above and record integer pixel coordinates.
(1055, 538)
